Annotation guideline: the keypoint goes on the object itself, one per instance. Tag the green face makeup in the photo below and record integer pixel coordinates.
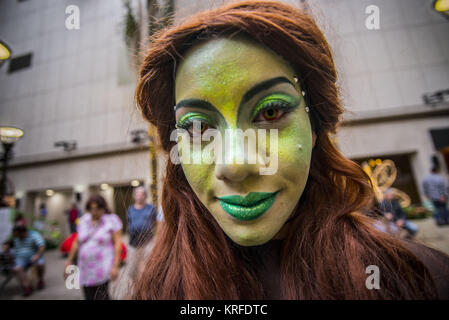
(189, 119)
(225, 84)
(278, 101)
(273, 107)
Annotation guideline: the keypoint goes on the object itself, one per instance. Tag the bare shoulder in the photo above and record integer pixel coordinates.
(437, 262)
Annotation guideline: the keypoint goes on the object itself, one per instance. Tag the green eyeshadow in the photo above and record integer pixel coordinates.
(186, 120)
(281, 100)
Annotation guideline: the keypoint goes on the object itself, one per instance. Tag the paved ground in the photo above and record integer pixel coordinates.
(430, 234)
(433, 235)
(55, 286)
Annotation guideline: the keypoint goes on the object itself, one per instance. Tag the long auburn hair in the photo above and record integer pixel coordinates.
(330, 239)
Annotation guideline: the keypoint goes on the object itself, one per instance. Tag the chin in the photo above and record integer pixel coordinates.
(251, 239)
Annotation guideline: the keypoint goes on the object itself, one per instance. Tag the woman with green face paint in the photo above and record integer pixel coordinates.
(246, 87)
(259, 203)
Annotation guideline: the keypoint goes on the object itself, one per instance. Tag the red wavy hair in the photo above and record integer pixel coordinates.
(329, 240)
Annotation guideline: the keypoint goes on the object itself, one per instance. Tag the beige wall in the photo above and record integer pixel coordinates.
(119, 168)
(56, 206)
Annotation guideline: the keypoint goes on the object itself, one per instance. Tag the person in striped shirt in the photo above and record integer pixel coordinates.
(435, 189)
(29, 247)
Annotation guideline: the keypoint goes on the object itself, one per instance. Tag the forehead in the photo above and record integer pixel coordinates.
(222, 70)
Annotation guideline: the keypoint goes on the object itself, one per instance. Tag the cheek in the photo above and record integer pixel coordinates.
(200, 178)
(295, 150)
(197, 170)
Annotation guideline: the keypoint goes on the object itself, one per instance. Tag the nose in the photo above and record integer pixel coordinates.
(235, 172)
(238, 162)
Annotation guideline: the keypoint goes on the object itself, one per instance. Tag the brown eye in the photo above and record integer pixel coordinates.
(270, 114)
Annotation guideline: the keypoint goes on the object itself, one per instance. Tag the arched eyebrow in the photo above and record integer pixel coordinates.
(197, 103)
(264, 85)
(201, 104)
(261, 86)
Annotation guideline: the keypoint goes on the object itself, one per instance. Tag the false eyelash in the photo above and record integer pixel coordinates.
(187, 123)
(184, 125)
(280, 105)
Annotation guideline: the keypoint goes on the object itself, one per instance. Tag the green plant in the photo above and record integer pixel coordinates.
(131, 25)
(417, 212)
(50, 231)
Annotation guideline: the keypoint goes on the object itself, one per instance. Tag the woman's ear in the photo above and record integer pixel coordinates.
(313, 139)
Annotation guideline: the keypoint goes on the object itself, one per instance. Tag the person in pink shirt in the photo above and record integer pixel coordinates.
(98, 246)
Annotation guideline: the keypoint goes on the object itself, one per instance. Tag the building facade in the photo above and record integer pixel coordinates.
(79, 87)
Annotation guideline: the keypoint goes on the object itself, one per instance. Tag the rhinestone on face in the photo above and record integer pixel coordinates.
(296, 79)
(307, 109)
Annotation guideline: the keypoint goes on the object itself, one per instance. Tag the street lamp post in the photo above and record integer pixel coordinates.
(153, 166)
(442, 6)
(8, 136)
(5, 51)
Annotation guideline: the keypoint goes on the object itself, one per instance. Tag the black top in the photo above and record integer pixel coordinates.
(268, 255)
(438, 264)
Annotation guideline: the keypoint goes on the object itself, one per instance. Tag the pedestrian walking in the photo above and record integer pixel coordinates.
(42, 211)
(435, 189)
(98, 247)
(141, 218)
(73, 214)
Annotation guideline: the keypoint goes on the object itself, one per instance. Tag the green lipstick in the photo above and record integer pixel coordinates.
(250, 207)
